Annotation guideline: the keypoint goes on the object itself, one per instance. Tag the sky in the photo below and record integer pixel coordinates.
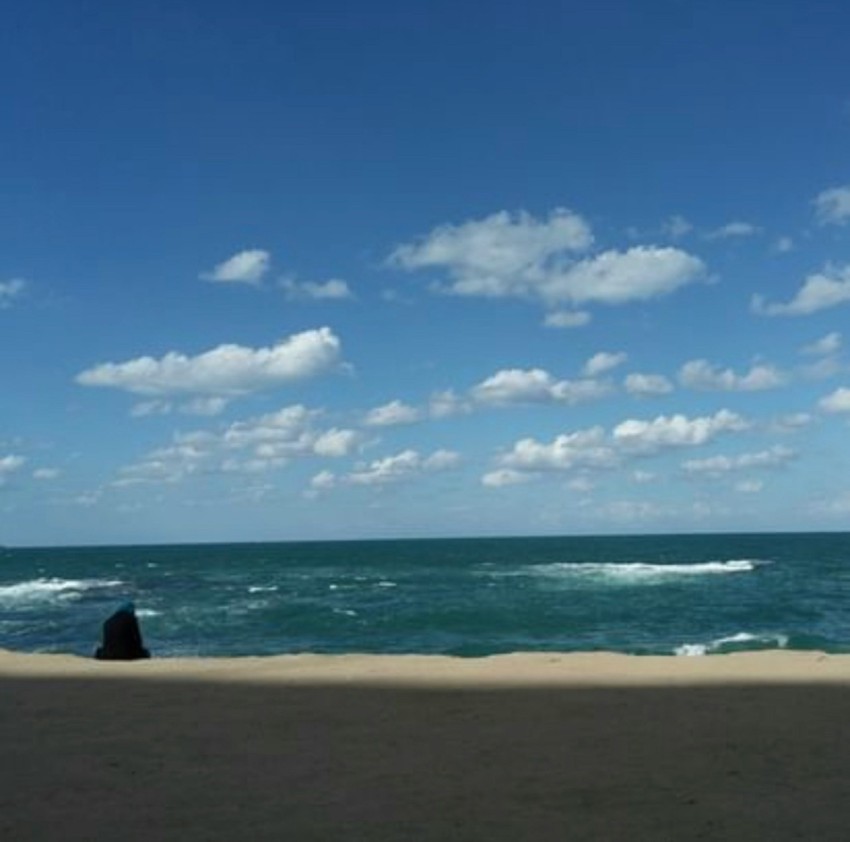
(291, 271)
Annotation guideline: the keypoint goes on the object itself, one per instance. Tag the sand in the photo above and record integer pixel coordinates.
(527, 746)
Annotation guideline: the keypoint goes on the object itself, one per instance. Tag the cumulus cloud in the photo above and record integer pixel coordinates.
(512, 386)
(602, 362)
(227, 371)
(676, 227)
(504, 477)
(392, 414)
(819, 292)
(245, 267)
(832, 206)
(733, 229)
(9, 464)
(254, 445)
(45, 474)
(332, 290)
(828, 344)
(518, 256)
(700, 374)
(838, 401)
(582, 448)
(716, 466)
(566, 319)
(446, 404)
(402, 466)
(647, 385)
(592, 449)
(675, 431)
(10, 290)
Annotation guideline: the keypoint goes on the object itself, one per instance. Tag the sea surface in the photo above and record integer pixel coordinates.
(665, 594)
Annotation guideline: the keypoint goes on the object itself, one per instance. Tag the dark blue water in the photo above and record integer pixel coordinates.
(650, 594)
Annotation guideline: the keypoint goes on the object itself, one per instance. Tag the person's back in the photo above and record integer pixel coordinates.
(122, 637)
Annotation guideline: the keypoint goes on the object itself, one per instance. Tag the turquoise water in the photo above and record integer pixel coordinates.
(696, 594)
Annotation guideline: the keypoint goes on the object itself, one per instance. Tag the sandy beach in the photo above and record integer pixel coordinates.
(527, 746)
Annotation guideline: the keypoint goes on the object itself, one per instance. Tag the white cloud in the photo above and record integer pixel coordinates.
(566, 319)
(715, 466)
(246, 267)
(10, 290)
(819, 292)
(511, 386)
(613, 277)
(676, 227)
(403, 466)
(829, 344)
(749, 486)
(332, 290)
(504, 477)
(643, 477)
(700, 374)
(45, 474)
(647, 385)
(733, 229)
(519, 256)
(832, 207)
(208, 406)
(791, 423)
(392, 414)
(838, 401)
(228, 370)
(783, 245)
(675, 431)
(254, 445)
(447, 404)
(602, 362)
(568, 450)
(9, 464)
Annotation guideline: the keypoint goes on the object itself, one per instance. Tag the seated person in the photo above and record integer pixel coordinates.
(122, 638)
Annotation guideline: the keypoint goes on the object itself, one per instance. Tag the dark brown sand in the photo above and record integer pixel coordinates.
(522, 747)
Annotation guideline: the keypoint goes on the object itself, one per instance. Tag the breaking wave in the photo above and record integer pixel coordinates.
(644, 573)
(42, 590)
(736, 642)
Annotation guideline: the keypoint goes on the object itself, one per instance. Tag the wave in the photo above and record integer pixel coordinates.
(734, 643)
(38, 590)
(643, 572)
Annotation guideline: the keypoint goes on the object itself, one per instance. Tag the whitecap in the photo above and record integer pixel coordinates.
(643, 572)
(739, 640)
(47, 589)
(262, 588)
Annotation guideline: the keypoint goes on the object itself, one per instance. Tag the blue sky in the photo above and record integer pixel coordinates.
(334, 270)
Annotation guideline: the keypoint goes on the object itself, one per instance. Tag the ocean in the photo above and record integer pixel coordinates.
(664, 594)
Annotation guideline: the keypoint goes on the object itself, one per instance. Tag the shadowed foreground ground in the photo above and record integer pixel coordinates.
(163, 758)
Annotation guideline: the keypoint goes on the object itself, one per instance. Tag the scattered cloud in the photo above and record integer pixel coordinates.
(518, 256)
(733, 229)
(332, 290)
(676, 227)
(512, 386)
(647, 385)
(702, 375)
(829, 344)
(10, 291)
(819, 292)
(674, 431)
(225, 371)
(504, 477)
(566, 319)
(587, 448)
(9, 464)
(392, 414)
(783, 245)
(837, 402)
(832, 206)
(717, 466)
(246, 267)
(46, 474)
(602, 362)
(254, 445)
(404, 466)
(749, 486)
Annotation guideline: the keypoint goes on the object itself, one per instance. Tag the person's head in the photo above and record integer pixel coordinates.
(128, 607)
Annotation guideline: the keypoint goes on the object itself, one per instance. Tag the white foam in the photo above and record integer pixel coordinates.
(47, 589)
(692, 649)
(644, 572)
(262, 588)
(147, 612)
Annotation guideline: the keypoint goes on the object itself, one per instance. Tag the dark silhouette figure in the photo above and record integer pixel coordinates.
(122, 637)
